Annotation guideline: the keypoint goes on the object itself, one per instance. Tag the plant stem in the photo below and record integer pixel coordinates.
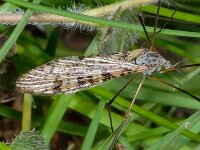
(26, 118)
(43, 18)
(16, 33)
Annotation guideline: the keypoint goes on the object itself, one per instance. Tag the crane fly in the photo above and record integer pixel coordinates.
(72, 74)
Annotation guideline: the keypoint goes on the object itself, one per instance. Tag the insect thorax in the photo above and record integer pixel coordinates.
(153, 60)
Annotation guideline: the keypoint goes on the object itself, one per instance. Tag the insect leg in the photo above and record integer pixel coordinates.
(145, 31)
(191, 65)
(166, 23)
(126, 116)
(183, 91)
(112, 100)
(157, 17)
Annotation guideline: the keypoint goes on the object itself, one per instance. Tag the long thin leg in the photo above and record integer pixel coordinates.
(126, 116)
(155, 25)
(143, 26)
(156, 21)
(191, 65)
(157, 17)
(133, 101)
(112, 100)
(166, 23)
(183, 91)
(175, 67)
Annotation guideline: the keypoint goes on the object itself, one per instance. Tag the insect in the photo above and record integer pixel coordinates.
(72, 74)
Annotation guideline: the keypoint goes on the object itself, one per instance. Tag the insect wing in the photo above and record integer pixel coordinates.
(71, 74)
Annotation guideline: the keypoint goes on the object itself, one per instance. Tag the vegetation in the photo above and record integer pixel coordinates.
(162, 117)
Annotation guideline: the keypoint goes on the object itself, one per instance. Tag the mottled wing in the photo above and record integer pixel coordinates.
(71, 74)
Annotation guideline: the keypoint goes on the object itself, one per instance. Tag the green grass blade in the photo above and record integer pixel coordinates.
(111, 140)
(10, 113)
(165, 12)
(89, 138)
(72, 128)
(16, 33)
(4, 146)
(174, 140)
(147, 134)
(52, 42)
(100, 21)
(147, 114)
(54, 116)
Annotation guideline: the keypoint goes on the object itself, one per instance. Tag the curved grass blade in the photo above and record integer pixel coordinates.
(54, 116)
(110, 141)
(17, 31)
(89, 138)
(174, 140)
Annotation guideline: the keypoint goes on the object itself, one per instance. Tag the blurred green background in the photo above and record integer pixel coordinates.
(80, 120)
